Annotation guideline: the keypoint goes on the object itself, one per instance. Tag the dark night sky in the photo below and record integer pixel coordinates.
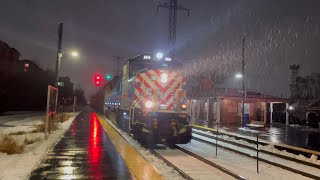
(278, 33)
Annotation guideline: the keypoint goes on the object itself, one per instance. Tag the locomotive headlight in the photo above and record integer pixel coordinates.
(164, 77)
(149, 104)
(159, 55)
(184, 106)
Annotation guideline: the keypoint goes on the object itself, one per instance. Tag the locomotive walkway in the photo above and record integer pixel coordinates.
(91, 149)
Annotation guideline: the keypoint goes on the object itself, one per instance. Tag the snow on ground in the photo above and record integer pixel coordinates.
(25, 125)
(165, 170)
(19, 166)
(250, 130)
(19, 116)
(270, 147)
(255, 125)
(238, 164)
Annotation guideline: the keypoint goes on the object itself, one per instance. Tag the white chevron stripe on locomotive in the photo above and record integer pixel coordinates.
(167, 89)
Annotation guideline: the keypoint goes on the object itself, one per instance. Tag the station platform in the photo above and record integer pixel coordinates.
(92, 149)
(296, 136)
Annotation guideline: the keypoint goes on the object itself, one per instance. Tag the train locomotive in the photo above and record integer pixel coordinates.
(149, 101)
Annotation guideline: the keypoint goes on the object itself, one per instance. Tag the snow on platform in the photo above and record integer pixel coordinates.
(255, 125)
(249, 130)
(19, 166)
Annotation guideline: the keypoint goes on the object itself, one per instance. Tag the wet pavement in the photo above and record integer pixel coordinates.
(298, 136)
(85, 152)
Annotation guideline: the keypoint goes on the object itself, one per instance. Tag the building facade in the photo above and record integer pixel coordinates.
(225, 107)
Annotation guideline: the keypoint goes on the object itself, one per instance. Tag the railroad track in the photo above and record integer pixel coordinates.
(304, 168)
(215, 170)
(296, 151)
(191, 166)
(202, 164)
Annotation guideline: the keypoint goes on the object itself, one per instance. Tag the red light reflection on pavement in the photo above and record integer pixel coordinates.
(95, 150)
(74, 127)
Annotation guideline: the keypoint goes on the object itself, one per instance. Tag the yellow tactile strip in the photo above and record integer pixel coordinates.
(277, 144)
(138, 166)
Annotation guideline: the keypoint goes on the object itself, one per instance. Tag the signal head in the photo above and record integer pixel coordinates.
(97, 79)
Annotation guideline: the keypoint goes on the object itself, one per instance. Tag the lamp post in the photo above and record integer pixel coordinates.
(243, 89)
(59, 54)
(241, 76)
(59, 58)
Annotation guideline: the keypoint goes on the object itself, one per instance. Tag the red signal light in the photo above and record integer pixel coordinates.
(97, 79)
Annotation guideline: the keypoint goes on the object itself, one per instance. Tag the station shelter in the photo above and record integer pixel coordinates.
(224, 106)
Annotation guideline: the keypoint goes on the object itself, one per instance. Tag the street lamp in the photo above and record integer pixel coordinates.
(58, 64)
(74, 53)
(238, 76)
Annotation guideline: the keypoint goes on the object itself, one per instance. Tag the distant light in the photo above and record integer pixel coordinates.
(74, 54)
(167, 59)
(108, 76)
(26, 65)
(159, 55)
(291, 108)
(146, 57)
(238, 76)
(184, 106)
(124, 113)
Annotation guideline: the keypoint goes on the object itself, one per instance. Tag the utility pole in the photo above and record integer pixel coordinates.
(74, 103)
(58, 62)
(243, 89)
(293, 86)
(59, 53)
(173, 7)
(116, 65)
